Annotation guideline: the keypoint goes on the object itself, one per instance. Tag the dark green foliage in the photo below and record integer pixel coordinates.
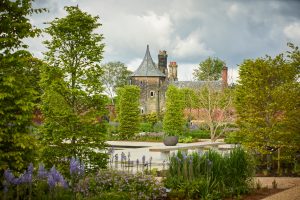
(15, 24)
(73, 104)
(209, 69)
(268, 104)
(173, 123)
(210, 175)
(128, 110)
(19, 91)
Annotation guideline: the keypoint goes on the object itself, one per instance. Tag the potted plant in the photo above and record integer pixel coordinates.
(170, 140)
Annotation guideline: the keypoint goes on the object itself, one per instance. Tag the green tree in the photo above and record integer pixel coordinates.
(268, 105)
(19, 74)
(173, 122)
(73, 103)
(128, 110)
(115, 75)
(209, 69)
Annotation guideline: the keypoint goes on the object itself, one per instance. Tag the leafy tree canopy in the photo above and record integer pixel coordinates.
(115, 75)
(209, 69)
(73, 104)
(267, 102)
(19, 91)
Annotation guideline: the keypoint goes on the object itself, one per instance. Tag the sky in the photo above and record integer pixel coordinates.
(189, 30)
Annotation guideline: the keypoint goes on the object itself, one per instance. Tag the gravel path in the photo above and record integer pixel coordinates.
(282, 182)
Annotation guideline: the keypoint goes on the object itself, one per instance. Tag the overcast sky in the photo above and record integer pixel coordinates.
(189, 30)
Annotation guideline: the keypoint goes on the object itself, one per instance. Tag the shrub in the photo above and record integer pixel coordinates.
(210, 175)
(104, 185)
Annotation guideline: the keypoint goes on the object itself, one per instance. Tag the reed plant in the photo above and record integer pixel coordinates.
(210, 174)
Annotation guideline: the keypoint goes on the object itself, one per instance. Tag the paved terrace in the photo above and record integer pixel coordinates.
(158, 151)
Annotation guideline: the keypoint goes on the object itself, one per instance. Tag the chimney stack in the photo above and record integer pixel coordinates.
(224, 77)
(162, 62)
(173, 71)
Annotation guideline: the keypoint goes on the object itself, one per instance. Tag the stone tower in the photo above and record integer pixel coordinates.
(173, 71)
(152, 81)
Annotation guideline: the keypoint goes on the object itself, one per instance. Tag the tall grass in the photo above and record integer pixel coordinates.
(209, 174)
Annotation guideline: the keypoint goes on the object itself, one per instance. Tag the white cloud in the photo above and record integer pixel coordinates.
(185, 71)
(191, 46)
(292, 31)
(233, 11)
(134, 64)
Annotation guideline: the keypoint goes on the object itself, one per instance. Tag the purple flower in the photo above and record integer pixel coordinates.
(143, 159)
(76, 167)
(42, 172)
(51, 181)
(30, 168)
(5, 189)
(111, 150)
(116, 157)
(54, 177)
(9, 177)
(26, 177)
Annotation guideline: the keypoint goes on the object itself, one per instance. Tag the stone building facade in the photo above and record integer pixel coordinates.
(153, 81)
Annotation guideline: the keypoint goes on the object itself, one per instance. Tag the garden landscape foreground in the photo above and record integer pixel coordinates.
(76, 125)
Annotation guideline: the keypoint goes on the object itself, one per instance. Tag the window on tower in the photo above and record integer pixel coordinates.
(152, 93)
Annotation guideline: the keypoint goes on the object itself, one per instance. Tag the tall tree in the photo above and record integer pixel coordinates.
(216, 107)
(209, 69)
(173, 122)
(19, 74)
(268, 105)
(115, 75)
(72, 101)
(128, 110)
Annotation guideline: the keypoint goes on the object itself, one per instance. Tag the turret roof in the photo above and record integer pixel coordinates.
(148, 67)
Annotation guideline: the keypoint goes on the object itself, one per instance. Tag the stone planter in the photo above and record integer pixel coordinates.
(171, 140)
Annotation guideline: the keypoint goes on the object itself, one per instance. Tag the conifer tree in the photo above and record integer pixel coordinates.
(128, 110)
(173, 122)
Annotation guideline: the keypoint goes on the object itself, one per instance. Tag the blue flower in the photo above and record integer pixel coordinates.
(76, 167)
(9, 177)
(51, 181)
(42, 172)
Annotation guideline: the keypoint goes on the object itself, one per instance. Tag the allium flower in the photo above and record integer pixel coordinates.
(143, 159)
(42, 172)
